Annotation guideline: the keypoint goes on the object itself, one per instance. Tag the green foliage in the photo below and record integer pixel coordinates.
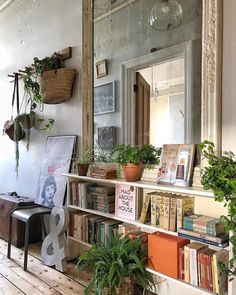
(86, 157)
(111, 265)
(220, 177)
(146, 154)
(101, 155)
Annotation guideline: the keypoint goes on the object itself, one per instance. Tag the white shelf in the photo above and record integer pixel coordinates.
(204, 291)
(148, 227)
(80, 242)
(195, 191)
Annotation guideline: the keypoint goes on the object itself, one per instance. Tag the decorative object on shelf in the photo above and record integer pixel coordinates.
(106, 137)
(104, 98)
(115, 267)
(220, 177)
(83, 162)
(166, 15)
(176, 164)
(101, 68)
(134, 158)
(48, 81)
(54, 248)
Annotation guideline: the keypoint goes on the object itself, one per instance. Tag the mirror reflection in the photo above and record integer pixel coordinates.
(147, 73)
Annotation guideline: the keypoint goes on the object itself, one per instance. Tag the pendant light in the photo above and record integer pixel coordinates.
(166, 15)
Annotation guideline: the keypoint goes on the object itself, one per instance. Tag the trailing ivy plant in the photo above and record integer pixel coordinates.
(220, 177)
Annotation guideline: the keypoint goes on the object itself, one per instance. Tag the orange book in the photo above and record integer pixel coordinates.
(163, 253)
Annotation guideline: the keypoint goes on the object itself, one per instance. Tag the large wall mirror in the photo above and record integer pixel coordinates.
(151, 71)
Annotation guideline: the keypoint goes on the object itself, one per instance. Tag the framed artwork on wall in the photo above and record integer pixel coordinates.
(101, 68)
(106, 137)
(104, 98)
(56, 160)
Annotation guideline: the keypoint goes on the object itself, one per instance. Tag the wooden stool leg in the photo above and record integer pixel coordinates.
(26, 244)
(9, 238)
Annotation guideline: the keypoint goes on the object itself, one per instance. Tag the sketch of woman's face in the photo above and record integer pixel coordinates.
(49, 193)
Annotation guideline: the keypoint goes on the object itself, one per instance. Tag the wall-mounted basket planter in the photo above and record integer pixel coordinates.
(56, 86)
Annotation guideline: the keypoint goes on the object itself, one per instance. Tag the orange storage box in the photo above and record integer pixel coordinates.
(163, 253)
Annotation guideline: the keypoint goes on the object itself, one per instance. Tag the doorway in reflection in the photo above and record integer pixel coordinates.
(160, 103)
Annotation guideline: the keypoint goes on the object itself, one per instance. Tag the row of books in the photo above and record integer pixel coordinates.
(93, 228)
(199, 266)
(167, 210)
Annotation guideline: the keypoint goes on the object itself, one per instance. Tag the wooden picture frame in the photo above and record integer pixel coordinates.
(101, 68)
(104, 98)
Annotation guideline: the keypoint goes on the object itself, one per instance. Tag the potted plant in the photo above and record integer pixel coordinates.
(115, 267)
(133, 159)
(220, 177)
(83, 162)
(48, 81)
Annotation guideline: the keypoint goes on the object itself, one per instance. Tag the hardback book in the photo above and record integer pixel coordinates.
(127, 201)
(206, 269)
(184, 207)
(194, 249)
(221, 238)
(153, 209)
(173, 208)
(102, 198)
(107, 227)
(107, 208)
(221, 281)
(73, 193)
(82, 194)
(92, 227)
(166, 217)
(106, 190)
(145, 208)
(127, 228)
(181, 264)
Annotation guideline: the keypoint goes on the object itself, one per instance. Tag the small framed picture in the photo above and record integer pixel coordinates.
(104, 98)
(101, 68)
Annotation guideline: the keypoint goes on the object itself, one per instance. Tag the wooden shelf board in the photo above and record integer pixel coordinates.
(148, 185)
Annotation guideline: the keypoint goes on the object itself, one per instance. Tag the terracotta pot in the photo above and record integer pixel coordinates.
(82, 169)
(26, 121)
(132, 172)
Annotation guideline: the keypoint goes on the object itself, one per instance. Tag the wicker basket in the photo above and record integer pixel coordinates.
(56, 86)
(127, 289)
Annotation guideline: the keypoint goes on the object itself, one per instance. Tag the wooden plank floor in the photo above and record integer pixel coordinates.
(39, 279)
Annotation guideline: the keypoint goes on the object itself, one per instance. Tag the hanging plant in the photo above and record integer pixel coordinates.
(220, 177)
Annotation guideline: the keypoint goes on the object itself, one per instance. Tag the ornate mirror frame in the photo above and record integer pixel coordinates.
(211, 96)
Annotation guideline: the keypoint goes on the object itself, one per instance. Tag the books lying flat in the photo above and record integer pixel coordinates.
(106, 190)
(102, 198)
(218, 239)
(107, 208)
(209, 242)
(203, 224)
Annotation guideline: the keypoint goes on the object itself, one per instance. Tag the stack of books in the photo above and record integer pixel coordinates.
(102, 198)
(204, 229)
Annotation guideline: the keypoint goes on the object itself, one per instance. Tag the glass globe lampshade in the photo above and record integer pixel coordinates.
(166, 15)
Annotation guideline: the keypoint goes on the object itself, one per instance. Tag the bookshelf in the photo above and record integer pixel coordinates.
(78, 247)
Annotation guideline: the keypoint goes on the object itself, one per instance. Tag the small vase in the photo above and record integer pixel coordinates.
(82, 169)
(132, 172)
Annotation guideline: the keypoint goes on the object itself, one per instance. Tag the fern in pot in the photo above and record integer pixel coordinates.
(115, 268)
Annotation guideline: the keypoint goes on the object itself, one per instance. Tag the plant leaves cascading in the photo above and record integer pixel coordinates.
(220, 177)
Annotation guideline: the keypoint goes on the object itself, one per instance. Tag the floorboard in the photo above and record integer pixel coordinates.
(39, 278)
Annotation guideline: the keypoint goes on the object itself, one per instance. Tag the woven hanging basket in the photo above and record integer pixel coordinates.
(56, 86)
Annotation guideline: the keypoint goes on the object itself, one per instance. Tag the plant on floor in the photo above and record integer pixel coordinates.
(112, 266)
(220, 177)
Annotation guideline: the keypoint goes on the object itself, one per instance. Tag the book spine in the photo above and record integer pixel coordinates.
(158, 210)
(172, 226)
(193, 267)
(162, 208)
(186, 265)
(181, 263)
(179, 213)
(166, 212)
(145, 208)
(153, 210)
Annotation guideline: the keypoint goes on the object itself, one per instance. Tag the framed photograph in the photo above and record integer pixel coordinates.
(176, 165)
(106, 137)
(56, 160)
(104, 98)
(101, 68)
